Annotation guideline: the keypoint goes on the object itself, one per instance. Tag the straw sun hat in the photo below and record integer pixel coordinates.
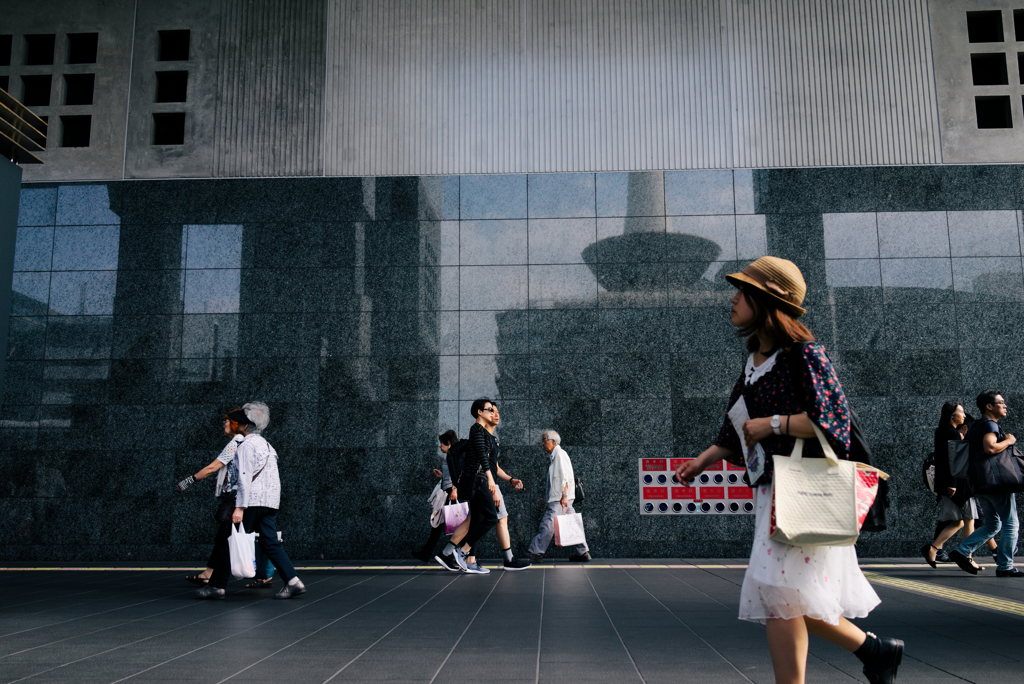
(780, 279)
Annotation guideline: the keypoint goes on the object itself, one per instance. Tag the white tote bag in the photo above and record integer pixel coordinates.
(820, 501)
(569, 529)
(242, 548)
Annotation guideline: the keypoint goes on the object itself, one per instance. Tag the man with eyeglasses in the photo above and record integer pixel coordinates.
(998, 508)
(476, 485)
(561, 494)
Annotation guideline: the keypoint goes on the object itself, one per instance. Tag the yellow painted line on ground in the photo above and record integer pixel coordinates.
(967, 598)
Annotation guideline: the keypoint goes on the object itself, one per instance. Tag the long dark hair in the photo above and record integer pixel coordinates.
(946, 414)
(779, 325)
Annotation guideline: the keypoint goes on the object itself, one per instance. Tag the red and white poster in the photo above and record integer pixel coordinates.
(718, 491)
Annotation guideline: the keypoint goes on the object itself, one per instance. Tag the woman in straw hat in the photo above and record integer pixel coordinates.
(789, 386)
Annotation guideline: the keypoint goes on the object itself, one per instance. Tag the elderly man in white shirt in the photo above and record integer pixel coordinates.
(256, 503)
(561, 493)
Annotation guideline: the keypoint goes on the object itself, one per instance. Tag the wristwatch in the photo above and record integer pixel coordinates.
(776, 424)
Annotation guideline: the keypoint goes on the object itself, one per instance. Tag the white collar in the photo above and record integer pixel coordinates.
(754, 373)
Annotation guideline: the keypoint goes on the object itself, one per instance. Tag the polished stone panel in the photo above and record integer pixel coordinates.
(81, 248)
(560, 241)
(370, 312)
(30, 294)
(552, 195)
(33, 249)
(698, 192)
(913, 234)
(490, 197)
(493, 242)
(82, 293)
(639, 193)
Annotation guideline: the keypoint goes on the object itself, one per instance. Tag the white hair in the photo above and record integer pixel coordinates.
(551, 434)
(259, 414)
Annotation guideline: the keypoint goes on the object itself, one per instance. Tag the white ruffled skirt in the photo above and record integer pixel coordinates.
(783, 581)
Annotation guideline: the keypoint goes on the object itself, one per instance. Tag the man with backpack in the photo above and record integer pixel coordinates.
(998, 504)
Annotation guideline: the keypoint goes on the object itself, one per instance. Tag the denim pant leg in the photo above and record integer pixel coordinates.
(264, 521)
(991, 523)
(546, 531)
(1008, 543)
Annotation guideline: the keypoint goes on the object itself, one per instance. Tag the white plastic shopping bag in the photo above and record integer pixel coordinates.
(242, 548)
(569, 529)
(454, 514)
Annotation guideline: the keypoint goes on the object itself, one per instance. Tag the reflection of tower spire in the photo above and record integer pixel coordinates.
(691, 253)
(640, 201)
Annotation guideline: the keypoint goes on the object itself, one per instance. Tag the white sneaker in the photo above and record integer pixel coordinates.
(476, 569)
(460, 558)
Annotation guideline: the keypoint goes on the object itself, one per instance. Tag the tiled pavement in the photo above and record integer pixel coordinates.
(670, 620)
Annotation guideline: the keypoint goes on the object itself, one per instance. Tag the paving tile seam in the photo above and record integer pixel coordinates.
(191, 624)
(336, 620)
(615, 629)
(961, 596)
(689, 628)
(469, 623)
(494, 566)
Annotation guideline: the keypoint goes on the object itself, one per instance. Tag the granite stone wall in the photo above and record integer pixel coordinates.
(369, 312)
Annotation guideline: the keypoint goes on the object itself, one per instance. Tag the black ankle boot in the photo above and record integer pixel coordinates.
(881, 658)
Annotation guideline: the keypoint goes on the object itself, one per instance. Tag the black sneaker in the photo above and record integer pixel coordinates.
(291, 591)
(580, 558)
(536, 557)
(447, 562)
(1012, 572)
(516, 564)
(214, 593)
(942, 557)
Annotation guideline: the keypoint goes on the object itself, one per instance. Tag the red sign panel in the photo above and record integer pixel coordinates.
(730, 466)
(676, 462)
(655, 464)
(741, 493)
(684, 492)
(712, 493)
(655, 492)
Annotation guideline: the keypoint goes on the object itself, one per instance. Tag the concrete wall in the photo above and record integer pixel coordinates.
(10, 185)
(358, 88)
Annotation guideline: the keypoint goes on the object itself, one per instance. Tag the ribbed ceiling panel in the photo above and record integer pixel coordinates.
(271, 82)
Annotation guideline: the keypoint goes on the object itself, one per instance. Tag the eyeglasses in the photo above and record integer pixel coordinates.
(490, 409)
(545, 441)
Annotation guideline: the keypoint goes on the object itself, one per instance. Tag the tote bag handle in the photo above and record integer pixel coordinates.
(798, 449)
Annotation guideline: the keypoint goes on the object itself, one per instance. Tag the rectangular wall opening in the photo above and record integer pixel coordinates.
(78, 89)
(39, 49)
(82, 48)
(75, 130)
(989, 68)
(985, 26)
(993, 111)
(169, 128)
(173, 45)
(5, 50)
(171, 86)
(35, 90)
(5, 83)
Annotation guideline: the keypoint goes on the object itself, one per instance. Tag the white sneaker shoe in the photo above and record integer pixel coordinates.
(460, 558)
(476, 569)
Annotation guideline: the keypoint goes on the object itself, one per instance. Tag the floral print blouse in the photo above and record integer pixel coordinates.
(817, 392)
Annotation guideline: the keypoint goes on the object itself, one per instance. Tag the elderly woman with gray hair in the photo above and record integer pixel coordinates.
(257, 499)
(561, 493)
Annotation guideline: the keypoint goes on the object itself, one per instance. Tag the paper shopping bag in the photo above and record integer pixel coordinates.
(569, 529)
(242, 549)
(454, 514)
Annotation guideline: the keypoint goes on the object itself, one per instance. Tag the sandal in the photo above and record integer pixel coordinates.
(197, 580)
(259, 584)
(925, 553)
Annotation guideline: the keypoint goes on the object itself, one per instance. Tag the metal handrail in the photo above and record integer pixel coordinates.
(22, 132)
